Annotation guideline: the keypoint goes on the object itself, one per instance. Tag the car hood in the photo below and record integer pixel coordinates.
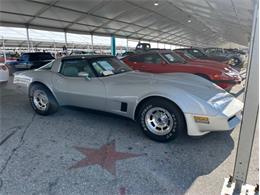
(192, 84)
(217, 58)
(210, 63)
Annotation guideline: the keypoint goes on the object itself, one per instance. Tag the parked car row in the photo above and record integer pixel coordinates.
(8, 56)
(30, 60)
(167, 61)
(147, 59)
(166, 92)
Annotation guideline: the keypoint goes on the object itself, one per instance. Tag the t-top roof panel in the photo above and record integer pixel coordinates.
(195, 22)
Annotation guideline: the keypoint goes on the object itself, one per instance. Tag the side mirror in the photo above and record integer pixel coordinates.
(17, 59)
(84, 74)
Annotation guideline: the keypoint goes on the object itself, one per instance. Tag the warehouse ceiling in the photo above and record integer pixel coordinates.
(185, 22)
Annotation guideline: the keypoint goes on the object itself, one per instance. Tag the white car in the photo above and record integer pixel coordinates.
(4, 73)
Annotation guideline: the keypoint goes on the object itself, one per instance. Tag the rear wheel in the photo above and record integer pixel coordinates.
(42, 100)
(161, 120)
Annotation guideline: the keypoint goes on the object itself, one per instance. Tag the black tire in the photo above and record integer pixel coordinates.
(175, 113)
(52, 105)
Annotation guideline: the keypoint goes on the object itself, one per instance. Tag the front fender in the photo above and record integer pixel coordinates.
(188, 103)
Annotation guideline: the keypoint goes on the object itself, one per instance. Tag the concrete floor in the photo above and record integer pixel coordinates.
(37, 153)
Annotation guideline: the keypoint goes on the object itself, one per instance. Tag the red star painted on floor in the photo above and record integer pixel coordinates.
(106, 156)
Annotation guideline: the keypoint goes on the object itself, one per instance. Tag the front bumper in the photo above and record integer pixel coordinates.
(215, 124)
(228, 118)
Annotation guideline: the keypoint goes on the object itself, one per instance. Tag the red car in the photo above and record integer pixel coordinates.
(166, 61)
(191, 59)
(9, 57)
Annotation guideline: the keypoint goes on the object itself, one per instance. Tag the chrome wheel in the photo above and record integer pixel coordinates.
(40, 100)
(159, 121)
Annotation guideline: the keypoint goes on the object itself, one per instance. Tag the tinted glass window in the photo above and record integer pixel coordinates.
(46, 56)
(196, 53)
(47, 66)
(152, 58)
(109, 66)
(74, 67)
(188, 55)
(135, 59)
(40, 56)
(214, 51)
(24, 57)
(34, 57)
(173, 58)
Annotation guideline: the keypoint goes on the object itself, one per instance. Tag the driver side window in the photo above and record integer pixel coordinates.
(152, 59)
(24, 58)
(75, 67)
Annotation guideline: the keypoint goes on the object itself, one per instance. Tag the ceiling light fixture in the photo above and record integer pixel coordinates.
(189, 19)
(156, 3)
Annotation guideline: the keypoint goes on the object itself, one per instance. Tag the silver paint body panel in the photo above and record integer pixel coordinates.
(193, 94)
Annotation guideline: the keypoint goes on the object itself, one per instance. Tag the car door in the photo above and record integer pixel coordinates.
(153, 63)
(135, 62)
(73, 86)
(22, 63)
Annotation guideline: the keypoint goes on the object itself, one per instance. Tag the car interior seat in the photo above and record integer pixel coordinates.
(88, 70)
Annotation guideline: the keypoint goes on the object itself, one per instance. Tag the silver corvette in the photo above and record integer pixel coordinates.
(163, 104)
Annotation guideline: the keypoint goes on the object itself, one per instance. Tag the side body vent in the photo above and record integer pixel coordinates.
(123, 107)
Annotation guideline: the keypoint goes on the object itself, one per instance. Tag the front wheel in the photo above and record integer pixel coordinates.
(161, 120)
(42, 100)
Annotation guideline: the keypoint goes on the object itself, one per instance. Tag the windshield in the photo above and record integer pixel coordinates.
(47, 66)
(173, 58)
(109, 66)
(188, 55)
(195, 53)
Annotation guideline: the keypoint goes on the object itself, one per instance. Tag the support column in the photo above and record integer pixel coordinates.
(55, 51)
(28, 39)
(65, 47)
(92, 43)
(66, 40)
(4, 50)
(127, 49)
(113, 45)
(248, 125)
